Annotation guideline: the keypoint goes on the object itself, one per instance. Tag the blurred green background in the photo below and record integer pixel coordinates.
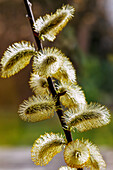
(87, 40)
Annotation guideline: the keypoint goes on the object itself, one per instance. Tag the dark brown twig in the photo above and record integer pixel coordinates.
(30, 16)
(59, 109)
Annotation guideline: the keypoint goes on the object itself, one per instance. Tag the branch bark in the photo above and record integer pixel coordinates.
(30, 16)
(59, 109)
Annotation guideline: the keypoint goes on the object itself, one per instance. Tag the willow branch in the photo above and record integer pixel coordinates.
(51, 87)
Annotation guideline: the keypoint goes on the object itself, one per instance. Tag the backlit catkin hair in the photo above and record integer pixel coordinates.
(74, 96)
(66, 72)
(76, 154)
(37, 108)
(50, 25)
(91, 116)
(38, 84)
(96, 161)
(46, 147)
(48, 62)
(16, 57)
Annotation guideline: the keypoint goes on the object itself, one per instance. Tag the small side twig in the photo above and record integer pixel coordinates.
(62, 93)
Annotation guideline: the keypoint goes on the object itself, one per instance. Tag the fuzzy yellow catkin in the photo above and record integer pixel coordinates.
(74, 96)
(96, 162)
(91, 116)
(66, 71)
(50, 25)
(82, 153)
(16, 57)
(37, 108)
(46, 147)
(39, 84)
(48, 62)
(76, 154)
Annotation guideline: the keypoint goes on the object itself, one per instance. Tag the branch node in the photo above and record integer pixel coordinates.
(62, 93)
(30, 4)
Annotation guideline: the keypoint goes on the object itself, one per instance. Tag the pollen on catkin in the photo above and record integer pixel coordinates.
(38, 84)
(37, 108)
(76, 154)
(91, 116)
(74, 96)
(96, 161)
(16, 57)
(48, 62)
(50, 25)
(46, 147)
